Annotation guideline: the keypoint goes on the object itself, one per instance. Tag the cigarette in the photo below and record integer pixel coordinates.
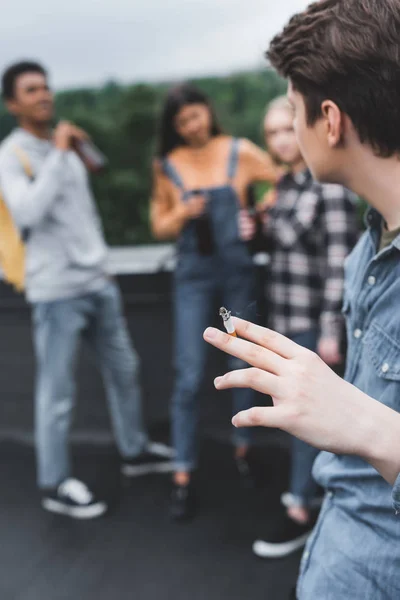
(228, 322)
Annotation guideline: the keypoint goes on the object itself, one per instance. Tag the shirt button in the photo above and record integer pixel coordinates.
(306, 555)
(330, 494)
(372, 280)
(357, 333)
(385, 368)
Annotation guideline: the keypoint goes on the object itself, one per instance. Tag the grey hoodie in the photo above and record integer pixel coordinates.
(66, 252)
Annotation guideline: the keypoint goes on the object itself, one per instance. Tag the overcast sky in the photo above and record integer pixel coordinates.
(87, 42)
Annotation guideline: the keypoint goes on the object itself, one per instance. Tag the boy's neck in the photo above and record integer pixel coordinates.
(39, 130)
(377, 180)
(298, 167)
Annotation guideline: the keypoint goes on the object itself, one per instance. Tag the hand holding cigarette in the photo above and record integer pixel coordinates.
(310, 400)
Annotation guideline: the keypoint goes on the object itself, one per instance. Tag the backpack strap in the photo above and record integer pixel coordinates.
(24, 160)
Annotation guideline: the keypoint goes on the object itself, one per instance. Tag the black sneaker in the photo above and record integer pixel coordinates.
(290, 536)
(183, 504)
(73, 499)
(156, 458)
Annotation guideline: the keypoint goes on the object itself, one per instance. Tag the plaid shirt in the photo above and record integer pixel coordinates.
(311, 228)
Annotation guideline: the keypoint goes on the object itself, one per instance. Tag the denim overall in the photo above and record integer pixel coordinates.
(200, 280)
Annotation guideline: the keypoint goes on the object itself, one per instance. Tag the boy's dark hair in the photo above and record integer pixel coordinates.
(11, 74)
(347, 51)
(178, 97)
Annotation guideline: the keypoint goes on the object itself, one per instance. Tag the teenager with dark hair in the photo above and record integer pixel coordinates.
(201, 180)
(11, 75)
(71, 294)
(342, 60)
(310, 229)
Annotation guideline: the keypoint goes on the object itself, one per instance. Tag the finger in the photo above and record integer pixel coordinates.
(267, 338)
(261, 416)
(252, 354)
(255, 379)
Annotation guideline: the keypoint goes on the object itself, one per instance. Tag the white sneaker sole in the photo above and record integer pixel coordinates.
(76, 512)
(268, 550)
(139, 470)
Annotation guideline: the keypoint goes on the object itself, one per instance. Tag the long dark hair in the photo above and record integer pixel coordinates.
(177, 98)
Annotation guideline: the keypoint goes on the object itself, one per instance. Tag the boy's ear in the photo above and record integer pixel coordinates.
(12, 107)
(334, 122)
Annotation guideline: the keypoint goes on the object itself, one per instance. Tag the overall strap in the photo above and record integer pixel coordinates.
(233, 159)
(172, 174)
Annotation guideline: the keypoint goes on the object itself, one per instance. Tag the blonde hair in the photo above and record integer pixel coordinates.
(279, 103)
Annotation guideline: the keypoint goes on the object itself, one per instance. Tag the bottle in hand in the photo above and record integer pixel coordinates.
(204, 232)
(94, 160)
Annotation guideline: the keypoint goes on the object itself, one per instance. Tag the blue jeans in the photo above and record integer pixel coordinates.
(58, 327)
(194, 305)
(303, 487)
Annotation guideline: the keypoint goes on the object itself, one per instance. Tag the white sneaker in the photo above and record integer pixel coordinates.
(288, 537)
(73, 499)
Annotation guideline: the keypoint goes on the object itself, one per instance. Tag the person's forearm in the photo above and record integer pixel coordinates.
(269, 172)
(380, 439)
(258, 164)
(30, 201)
(170, 225)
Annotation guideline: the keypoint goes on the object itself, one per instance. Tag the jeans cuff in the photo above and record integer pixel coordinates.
(182, 467)
(138, 448)
(289, 500)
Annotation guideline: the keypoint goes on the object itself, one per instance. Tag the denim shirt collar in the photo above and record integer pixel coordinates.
(373, 221)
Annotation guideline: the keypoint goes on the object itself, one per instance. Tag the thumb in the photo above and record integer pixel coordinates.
(261, 416)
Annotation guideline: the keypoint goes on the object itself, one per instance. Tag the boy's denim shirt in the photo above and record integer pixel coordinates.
(396, 496)
(354, 551)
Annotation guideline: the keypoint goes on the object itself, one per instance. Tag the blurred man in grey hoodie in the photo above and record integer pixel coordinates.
(70, 292)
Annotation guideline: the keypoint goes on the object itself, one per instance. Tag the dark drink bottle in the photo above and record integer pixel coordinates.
(94, 160)
(204, 231)
(258, 242)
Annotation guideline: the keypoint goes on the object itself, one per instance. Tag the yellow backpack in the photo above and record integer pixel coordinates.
(12, 247)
